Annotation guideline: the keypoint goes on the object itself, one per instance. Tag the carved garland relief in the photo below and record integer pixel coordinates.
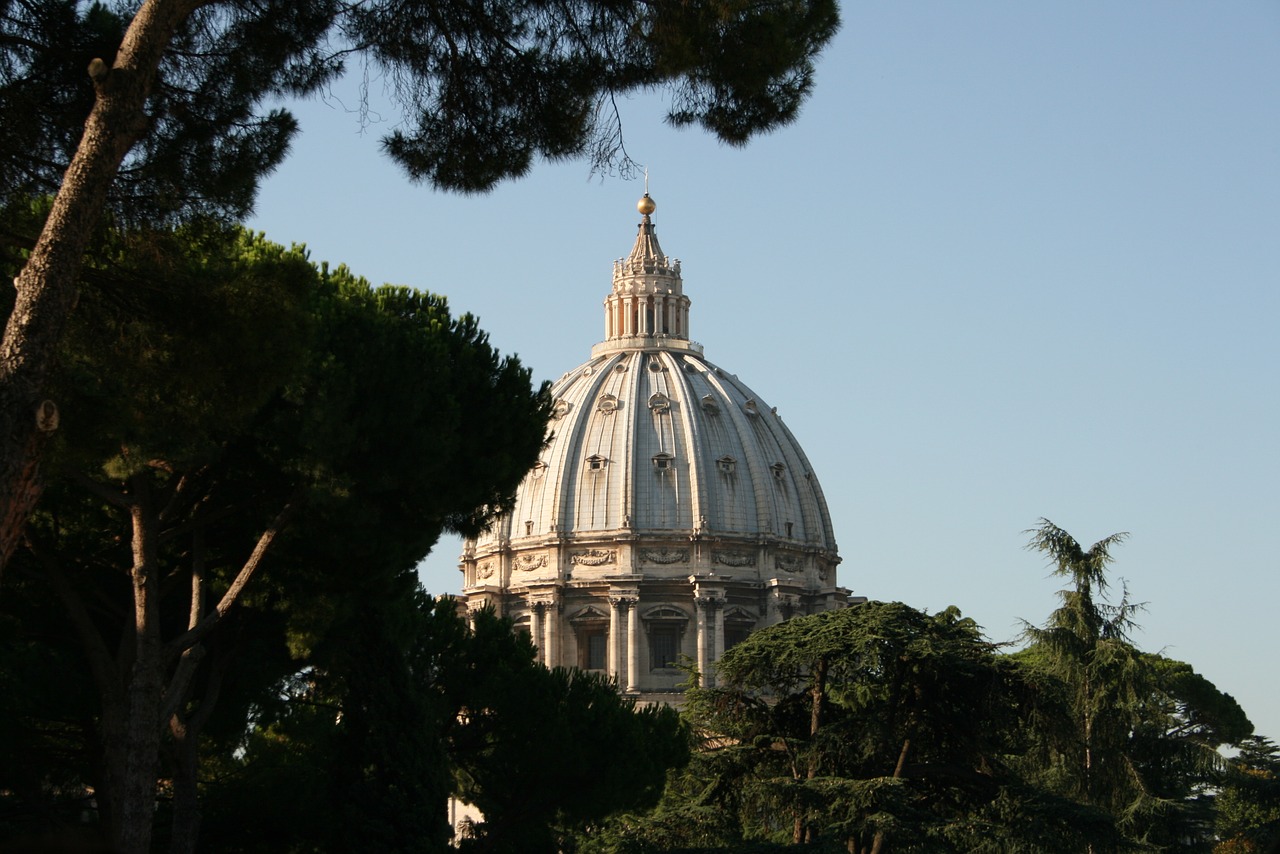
(788, 563)
(664, 556)
(733, 558)
(593, 557)
(527, 563)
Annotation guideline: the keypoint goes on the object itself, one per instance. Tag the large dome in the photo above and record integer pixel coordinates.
(669, 494)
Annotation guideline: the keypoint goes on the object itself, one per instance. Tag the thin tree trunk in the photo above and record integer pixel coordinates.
(186, 728)
(800, 833)
(185, 826)
(186, 776)
(877, 844)
(47, 286)
(135, 801)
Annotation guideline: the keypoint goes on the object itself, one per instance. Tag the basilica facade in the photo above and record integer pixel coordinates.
(671, 512)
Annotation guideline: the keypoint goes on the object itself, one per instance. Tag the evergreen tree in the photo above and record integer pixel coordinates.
(169, 118)
(1248, 808)
(249, 432)
(855, 730)
(1140, 733)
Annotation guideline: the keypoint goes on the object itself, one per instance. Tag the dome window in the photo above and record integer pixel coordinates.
(595, 462)
(655, 364)
(620, 368)
(663, 462)
(738, 624)
(607, 404)
(665, 626)
(751, 408)
(591, 628)
(660, 403)
(709, 405)
(528, 528)
(779, 471)
(539, 469)
(560, 409)
(726, 464)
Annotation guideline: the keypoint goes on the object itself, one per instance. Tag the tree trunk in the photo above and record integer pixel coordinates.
(186, 802)
(877, 844)
(801, 833)
(186, 730)
(134, 801)
(47, 286)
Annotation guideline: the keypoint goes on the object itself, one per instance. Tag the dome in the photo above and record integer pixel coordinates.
(662, 445)
(670, 502)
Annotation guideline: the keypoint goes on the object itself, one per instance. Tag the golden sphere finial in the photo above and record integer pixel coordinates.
(646, 205)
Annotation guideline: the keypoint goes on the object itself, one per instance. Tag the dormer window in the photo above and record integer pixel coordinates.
(709, 405)
(607, 404)
(539, 469)
(751, 408)
(726, 464)
(560, 409)
(779, 471)
(528, 528)
(663, 462)
(660, 403)
(595, 462)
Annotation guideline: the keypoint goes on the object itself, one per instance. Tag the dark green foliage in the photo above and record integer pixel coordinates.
(856, 729)
(366, 754)
(542, 751)
(218, 389)
(485, 89)
(348, 754)
(511, 82)
(210, 139)
(1137, 735)
(1248, 807)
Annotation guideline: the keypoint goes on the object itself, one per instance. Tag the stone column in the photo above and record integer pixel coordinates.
(615, 605)
(535, 628)
(702, 603)
(551, 634)
(633, 645)
(719, 633)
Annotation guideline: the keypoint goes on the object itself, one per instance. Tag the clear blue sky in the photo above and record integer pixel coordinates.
(1014, 260)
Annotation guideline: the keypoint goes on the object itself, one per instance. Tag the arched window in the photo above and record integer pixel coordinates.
(665, 626)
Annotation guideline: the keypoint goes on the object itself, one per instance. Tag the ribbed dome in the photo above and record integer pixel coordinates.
(657, 444)
(669, 494)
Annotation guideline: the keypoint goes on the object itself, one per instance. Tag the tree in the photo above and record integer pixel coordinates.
(484, 89)
(233, 408)
(1248, 809)
(543, 752)
(362, 758)
(1086, 644)
(855, 729)
(1143, 733)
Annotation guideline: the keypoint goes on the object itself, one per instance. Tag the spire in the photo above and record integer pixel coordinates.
(647, 307)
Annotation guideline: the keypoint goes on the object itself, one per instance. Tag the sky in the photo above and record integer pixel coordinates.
(1014, 260)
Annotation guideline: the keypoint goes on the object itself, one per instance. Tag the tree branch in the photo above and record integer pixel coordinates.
(207, 623)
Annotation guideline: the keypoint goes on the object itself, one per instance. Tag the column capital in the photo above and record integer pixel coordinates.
(708, 602)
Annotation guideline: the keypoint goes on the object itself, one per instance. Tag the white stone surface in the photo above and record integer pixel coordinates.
(671, 505)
